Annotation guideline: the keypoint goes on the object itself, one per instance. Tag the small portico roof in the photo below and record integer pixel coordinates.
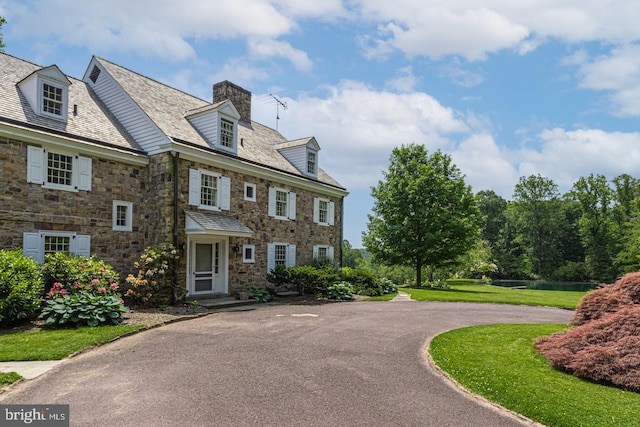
(215, 224)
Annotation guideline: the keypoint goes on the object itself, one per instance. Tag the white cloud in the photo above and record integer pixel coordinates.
(163, 29)
(358, 127)
(268, 48)
(617, 73)
(405, 81)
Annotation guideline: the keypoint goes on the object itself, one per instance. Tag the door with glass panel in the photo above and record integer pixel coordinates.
(206, 268)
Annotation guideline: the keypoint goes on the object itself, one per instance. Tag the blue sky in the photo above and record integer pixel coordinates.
(507, 88)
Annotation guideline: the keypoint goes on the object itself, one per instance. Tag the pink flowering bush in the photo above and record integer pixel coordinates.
(82, 291)
(72, 274)
(604, 346)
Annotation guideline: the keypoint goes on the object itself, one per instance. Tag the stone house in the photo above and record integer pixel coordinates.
(116, 162)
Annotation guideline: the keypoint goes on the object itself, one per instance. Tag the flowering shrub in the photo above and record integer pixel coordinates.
(155, 275)
(340, 291)
(603, 347)
(388, 287)
(71, 274)
(20, 286)
(84, 308)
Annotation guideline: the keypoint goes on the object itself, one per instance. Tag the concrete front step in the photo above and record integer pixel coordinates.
(224, 303)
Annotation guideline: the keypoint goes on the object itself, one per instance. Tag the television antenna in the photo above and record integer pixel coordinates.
(279, 104)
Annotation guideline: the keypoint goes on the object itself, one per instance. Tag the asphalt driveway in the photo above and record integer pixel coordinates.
(338, 364)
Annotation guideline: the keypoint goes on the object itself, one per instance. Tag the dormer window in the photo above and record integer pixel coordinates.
(47, 91)
(52, 99)
(311, 163)
(226, 133)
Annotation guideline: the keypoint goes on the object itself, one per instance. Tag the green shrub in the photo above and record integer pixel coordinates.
(70, 274)
(364, 282)
(155, 282)
(304, 278)
(21, 286)
(258, 293)
(388, 287)
(85, 308)
(340, 291)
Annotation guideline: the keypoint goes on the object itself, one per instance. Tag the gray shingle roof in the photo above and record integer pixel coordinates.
(216, 221)
(93, 120)
(168, 108)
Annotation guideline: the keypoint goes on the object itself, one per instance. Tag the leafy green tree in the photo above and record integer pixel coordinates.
(350, 257)
(424, 214)
(537, 207)
(2, 21)
(626, 224)
(596, 199)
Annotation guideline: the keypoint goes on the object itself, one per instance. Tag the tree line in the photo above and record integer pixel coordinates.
(590, 233)
(426, 219)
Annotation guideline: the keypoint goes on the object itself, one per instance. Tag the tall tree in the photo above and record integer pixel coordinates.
(424, 215)
(596, 199)
(2, 21)
(536, 205)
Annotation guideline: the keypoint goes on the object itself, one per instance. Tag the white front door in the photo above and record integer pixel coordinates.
(208, 269)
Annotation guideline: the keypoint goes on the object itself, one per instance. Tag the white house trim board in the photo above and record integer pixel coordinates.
(55, 142)
(133, 118)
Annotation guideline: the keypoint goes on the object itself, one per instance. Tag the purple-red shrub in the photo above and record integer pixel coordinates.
(609, 299)
(606, 350)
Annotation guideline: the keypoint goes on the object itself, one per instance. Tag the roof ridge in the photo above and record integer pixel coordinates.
(151, 79)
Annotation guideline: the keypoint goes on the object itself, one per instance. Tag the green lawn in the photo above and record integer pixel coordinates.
(464, 291)
(56, 344)
(500, 363)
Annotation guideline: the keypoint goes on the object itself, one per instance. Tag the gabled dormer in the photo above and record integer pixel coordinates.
(47, 91)
(303, 154)
(218, 125)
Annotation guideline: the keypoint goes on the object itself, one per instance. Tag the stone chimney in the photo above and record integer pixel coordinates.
(241, 98)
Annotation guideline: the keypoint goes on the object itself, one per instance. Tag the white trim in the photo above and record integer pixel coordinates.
(223, 190)
(329, 251)
(128, 220)
(290, 207)
(64, 103)
(33, 243)
(249, 259)
(290, 255)
(248, 185)
(30, 136)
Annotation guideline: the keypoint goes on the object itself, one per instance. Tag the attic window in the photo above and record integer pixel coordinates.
(311, 163)
(52, 99)
(94, 73)
(226, 133)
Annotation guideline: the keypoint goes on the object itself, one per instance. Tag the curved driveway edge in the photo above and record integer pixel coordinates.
(337, 364)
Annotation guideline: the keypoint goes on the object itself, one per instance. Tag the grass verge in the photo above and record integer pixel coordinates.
(464, 292)
(57, 343)
(500, 363)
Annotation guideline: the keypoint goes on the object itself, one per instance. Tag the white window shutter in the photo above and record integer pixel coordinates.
(292, 205)
(194, 187)
(272, 201)
(83, 180)
(225, 193)
(35, 165)
(315, 251)
(291, 255)
(316, 211)
(271, 257)
(83, 245)
(332, 213)
(330, 253)
(32, 246)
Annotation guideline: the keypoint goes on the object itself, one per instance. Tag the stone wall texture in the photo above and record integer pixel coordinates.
(28, 207)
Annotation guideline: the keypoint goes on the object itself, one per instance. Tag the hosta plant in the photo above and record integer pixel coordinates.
(340, 291)
(258, 293)
(87, 308)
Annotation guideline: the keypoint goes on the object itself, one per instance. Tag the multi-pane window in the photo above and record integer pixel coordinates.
(322, 252)
(122, 215)
(311, 163)
(323, 211)
(208, 190)
(226, 133)
(52, 99)
(281, 254)
(281, 203)
(59, 169)
(54, 244)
